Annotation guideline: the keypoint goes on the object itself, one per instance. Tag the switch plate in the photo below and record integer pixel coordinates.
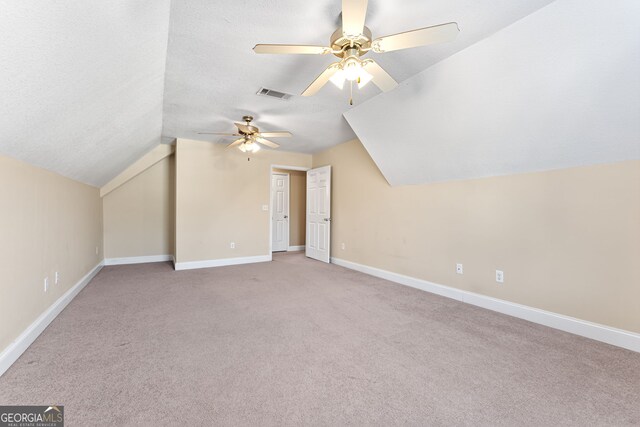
(499, 276)
(57, 278)
(232, 245)
(46, 284)
(265, 207)
(459, 269)
(343, 246)
(96, 250)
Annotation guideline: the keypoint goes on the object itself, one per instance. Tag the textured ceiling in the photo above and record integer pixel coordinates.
(522, 100)
(212, 73)
(81, 83)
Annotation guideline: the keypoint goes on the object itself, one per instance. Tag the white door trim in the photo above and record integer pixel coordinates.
(284, 167)
(289, 168)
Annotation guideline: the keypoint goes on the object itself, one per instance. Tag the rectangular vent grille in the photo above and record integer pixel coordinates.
(273, 94)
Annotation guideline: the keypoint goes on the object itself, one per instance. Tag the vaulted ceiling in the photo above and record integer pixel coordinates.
(213, 74)
(538, 95)
(86, 88)
(81, 83)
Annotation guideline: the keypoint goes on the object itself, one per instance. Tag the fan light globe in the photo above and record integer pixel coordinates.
(249, 147)
(352, 69)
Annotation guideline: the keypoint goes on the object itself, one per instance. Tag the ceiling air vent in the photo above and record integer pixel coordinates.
(274, 94)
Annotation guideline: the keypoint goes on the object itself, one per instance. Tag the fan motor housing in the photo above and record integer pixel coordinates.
(339, 42)
(253, 129)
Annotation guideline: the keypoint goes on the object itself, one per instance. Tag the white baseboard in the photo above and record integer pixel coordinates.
(607, 334)
(190, 265)
(26, 338)
(296, 248)
(138, 259)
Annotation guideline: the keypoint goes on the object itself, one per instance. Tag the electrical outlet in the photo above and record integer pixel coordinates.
(343, 246)
(265, 207)
(46, 284)
(96, 250)
(499, 276)
(57, 279)
(459, 268)
(232, 245)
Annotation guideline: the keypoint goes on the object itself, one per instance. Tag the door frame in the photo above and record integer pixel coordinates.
(271, 172)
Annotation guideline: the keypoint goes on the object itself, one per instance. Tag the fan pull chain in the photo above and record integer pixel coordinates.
(351, 90)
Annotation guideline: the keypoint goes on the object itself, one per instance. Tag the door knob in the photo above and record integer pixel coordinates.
(286, 216)
(327, 219)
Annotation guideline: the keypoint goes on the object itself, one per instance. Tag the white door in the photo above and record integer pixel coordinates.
(319, 213)
(280, 211)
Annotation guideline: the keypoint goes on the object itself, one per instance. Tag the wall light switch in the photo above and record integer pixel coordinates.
(46, 284)
(459, 269)
(232, 245)
(499, 276)
(57, 278)
(343, 246)
(265, 207)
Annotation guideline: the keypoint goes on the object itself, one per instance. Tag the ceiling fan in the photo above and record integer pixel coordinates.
(354, 40)
(251, 137)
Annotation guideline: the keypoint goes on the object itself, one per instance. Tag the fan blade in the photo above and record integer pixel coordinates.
(267, 142)
(281, 134)
(415, 38)
(321, 80)
(291, 49)
(353, 15)
(236, 142)
(217, 133)
(244, 128)
(381, 78)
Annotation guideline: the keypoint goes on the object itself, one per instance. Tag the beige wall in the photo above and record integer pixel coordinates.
(297, 206)
(152, 157)
(48, 223)
(139, 214)
(219, 199)
(568, 241)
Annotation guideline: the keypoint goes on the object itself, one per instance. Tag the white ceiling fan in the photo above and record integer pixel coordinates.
(354, 40)
(251, 137)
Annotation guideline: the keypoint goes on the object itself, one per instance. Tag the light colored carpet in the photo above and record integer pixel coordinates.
(299, 342)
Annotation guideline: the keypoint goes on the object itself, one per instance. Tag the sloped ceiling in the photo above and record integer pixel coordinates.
(557, 89)
(213, 74)
(81, 83)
